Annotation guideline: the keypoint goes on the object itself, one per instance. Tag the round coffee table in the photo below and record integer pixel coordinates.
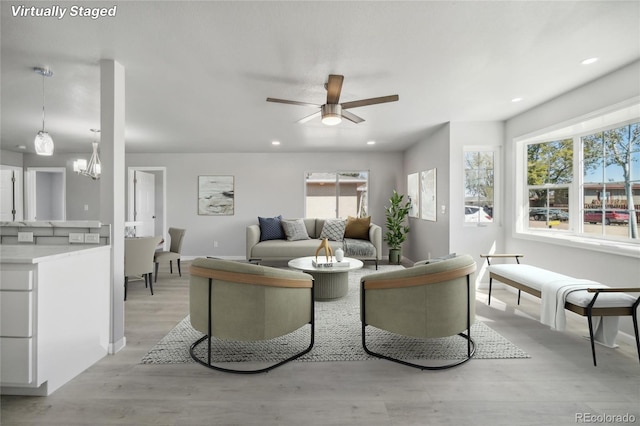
(330, 282)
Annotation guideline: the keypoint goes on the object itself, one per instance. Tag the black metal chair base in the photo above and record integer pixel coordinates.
(471, 350)
(208, 363)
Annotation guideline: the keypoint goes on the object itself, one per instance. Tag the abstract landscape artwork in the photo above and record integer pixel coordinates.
(215, 195)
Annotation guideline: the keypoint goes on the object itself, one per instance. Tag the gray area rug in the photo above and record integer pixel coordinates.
(337, 338)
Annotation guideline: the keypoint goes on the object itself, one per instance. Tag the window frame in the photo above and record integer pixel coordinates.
(610, 118)
(336, 183)
(496, 213)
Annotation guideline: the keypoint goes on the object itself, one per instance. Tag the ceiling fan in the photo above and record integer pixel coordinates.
(333, 112)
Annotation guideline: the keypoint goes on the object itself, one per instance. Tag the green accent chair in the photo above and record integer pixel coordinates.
(236, 301)
(425, 301)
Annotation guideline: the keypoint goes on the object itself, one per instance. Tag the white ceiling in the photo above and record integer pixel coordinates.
(198, 73)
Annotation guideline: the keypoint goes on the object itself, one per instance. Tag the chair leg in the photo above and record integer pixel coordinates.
(171, 266)
(126, 281)
(490, 283)
(156, 278)
(149, 277)
(179, 271)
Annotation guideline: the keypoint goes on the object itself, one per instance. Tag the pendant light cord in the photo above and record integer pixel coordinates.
(43, 113)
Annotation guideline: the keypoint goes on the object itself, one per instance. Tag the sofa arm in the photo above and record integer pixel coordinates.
(253, 238)
(375, 236)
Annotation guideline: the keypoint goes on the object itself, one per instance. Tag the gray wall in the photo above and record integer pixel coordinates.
(266, 184)
(426, 238)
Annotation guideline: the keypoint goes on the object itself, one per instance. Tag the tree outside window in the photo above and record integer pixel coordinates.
(549, 176)
(479, 186)
(611, 182)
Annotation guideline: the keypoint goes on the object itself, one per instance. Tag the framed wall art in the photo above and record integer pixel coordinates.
(215, 195)
(428, 195)
(412, 192)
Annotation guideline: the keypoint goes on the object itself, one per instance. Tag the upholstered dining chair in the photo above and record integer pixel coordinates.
(231, 302)
(425, 301)
(176, 235)
(138, 259)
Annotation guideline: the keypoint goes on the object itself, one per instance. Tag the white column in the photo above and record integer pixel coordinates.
(112, 186)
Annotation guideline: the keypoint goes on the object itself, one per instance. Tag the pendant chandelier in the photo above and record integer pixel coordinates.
(94, 168)
(43, 142)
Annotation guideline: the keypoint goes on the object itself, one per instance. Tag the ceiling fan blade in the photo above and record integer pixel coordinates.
(309, 117)
(284, 101)
(351, 117)
(371, 101)
(334, 87)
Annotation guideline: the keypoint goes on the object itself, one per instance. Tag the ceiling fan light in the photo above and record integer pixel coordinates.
(43, 143)
(331, 114)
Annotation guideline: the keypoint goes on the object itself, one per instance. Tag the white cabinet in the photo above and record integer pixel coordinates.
(54, 315)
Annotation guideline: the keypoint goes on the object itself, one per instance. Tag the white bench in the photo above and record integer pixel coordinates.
(592, 299)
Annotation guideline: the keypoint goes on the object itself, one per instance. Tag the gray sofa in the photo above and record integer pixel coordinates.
(279, 250)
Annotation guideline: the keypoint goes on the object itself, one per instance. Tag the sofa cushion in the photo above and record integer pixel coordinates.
(333, 229)
(357, 227)
(282, 249)
(295, 229)
(271, 228)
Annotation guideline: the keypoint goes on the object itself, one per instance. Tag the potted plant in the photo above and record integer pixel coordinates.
(397, 231)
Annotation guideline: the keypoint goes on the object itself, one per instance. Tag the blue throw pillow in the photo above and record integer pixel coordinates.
(271, 228)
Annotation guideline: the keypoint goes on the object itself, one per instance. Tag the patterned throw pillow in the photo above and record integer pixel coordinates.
(333, 229)
(295, 229)
(358, 227)
(271, 228)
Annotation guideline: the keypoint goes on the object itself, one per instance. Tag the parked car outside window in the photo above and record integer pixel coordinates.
(475, 214)
(610, 216)
(548, 214)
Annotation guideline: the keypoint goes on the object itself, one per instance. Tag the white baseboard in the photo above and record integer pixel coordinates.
(116, 347)
(218, 257)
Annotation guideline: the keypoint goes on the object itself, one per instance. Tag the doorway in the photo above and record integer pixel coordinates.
(46, 197)
(146, 200)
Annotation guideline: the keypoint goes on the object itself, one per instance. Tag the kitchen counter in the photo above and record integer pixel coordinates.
(54, 314)
(30, 253)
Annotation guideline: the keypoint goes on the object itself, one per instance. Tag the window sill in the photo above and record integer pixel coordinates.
(607, 246)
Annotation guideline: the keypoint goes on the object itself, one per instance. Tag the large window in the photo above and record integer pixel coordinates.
(587, 184)
(336, 194)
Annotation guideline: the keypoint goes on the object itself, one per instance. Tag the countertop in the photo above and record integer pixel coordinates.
(31, 253)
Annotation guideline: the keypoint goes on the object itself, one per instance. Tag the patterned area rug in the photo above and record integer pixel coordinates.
(337, 338)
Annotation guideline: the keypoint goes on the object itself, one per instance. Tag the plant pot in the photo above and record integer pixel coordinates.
(394, 256)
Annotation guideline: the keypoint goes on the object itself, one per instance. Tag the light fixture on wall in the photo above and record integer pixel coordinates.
(43, 142)
(94, 168)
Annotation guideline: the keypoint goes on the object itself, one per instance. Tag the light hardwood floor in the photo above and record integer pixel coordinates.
(554, 386)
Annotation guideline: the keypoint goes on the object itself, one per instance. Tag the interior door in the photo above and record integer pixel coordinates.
(45, 193)
(144, 203)
(11, 193)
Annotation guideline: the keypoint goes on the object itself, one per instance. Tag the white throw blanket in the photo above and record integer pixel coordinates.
(553, 297)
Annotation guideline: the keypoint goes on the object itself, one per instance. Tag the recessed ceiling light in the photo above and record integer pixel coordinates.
(516, 100)
(371, 142)
(589, 61)
(275, 143)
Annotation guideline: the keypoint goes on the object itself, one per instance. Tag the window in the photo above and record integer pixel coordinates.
(611, 183)
(479, 186)
(549, 176)
(585, 182)
(336, 194)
